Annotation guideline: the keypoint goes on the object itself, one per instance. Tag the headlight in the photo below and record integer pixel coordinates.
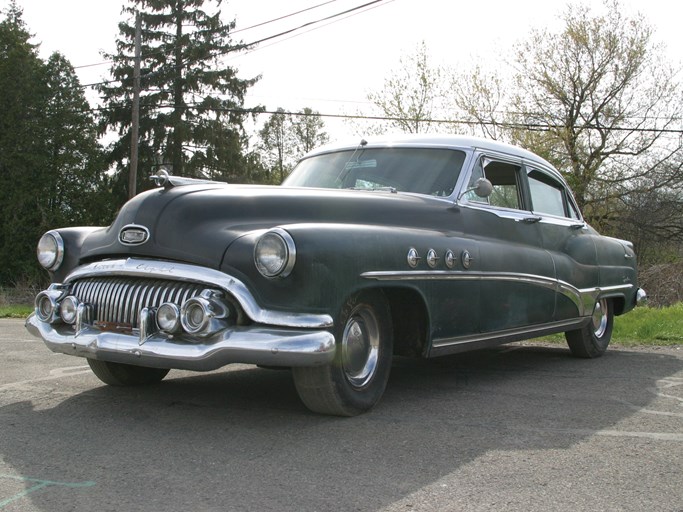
(168, 317)
(68, 310)
(275, 253)
(50, 250)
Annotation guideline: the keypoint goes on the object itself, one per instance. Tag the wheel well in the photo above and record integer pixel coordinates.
(618, 304)
(409, 320)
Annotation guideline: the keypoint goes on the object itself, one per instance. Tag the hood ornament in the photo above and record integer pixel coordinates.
(166, 180)
(133, 234)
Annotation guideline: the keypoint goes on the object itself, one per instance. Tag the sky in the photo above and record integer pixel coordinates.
(333, 65)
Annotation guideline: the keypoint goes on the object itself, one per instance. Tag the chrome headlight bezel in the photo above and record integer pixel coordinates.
(50, 251)
(168, 317)
(275, 254)
(68, 310)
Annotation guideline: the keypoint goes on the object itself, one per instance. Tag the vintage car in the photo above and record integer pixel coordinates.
(414, 246)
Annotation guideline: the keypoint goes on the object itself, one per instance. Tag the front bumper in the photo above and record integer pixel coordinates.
(268, 346)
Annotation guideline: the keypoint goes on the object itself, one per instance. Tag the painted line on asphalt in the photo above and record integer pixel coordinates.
(38, 485)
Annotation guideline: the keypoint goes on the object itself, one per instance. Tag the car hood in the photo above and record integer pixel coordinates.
(197, 223)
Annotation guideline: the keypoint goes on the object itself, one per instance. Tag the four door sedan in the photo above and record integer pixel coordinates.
(416, 247)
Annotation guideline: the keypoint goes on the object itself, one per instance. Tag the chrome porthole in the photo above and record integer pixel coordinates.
(600, 319)
(360, 347)
(413, 257)
(466, 259)
(432, 258)
(449, 259)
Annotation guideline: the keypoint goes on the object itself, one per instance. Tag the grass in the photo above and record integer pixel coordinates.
(15, 311)
(643, 326)
(650, 326)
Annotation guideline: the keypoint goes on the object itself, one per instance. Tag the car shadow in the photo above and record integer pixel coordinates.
(241, 439)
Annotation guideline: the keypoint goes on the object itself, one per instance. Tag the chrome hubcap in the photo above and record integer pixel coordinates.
(360, 348)
(600, 318)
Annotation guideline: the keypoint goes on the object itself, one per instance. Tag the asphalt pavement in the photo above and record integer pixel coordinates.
(523, 427)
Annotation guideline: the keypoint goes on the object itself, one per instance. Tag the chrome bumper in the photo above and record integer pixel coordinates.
(266, 346)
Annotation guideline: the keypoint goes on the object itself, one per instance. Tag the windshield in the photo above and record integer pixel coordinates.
(420, 170)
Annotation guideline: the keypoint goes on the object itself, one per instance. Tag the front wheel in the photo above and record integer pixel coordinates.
(592, 340)
(119, 374)
(355, 381)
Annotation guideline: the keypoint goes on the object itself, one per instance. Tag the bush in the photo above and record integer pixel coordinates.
(663, 283)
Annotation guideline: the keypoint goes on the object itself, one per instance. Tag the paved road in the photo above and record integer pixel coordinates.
(522, 427)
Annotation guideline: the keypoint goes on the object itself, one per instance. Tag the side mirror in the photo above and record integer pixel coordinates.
(482, 187)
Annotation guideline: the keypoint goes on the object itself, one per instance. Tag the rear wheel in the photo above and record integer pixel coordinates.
(355, 381)
(592, 340)
(119, 374)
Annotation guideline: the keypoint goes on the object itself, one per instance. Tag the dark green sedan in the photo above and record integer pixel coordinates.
(412, 246)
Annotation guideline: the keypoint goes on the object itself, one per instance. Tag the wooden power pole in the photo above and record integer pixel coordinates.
(135, 123)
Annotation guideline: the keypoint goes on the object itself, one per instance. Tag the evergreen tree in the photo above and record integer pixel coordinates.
(191, 117)
(50, 162)
(23, 93)
(76, 161)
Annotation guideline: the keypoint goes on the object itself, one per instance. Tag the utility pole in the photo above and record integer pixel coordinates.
(135, 123)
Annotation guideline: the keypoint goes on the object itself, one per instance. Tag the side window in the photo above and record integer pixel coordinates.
(549, 196)
(505, 180)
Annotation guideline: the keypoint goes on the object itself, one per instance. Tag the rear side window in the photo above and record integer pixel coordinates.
(549, 196)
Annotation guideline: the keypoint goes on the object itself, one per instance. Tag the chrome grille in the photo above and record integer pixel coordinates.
(120, 300)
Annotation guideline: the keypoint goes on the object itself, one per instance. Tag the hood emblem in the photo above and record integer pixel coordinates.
(133, 234)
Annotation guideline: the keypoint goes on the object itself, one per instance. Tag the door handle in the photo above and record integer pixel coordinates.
(531, 220)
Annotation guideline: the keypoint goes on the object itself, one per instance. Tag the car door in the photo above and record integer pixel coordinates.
(517, 277)
(567, 238)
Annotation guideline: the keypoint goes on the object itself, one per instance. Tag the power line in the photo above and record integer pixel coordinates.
(467, 122)
(252, 50)
(261, 24)
(282, 17)
(268, 38)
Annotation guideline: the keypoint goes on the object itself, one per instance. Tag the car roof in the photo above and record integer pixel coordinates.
(446, 141)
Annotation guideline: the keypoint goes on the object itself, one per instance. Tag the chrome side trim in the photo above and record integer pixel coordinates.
(584, 298)
(521, 332)
(135, 267)
(251, 345)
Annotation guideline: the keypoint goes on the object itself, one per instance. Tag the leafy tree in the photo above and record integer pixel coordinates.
(277, 144)
(285, 137)
(308, 131)
(597, 100)
(191, 116)
(411, 96)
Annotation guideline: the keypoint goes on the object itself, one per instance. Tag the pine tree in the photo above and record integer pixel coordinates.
(191, 117)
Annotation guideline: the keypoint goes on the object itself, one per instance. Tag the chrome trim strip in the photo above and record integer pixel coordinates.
(488, 336)
(136, 267)
(584, 298)
(251, 345)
